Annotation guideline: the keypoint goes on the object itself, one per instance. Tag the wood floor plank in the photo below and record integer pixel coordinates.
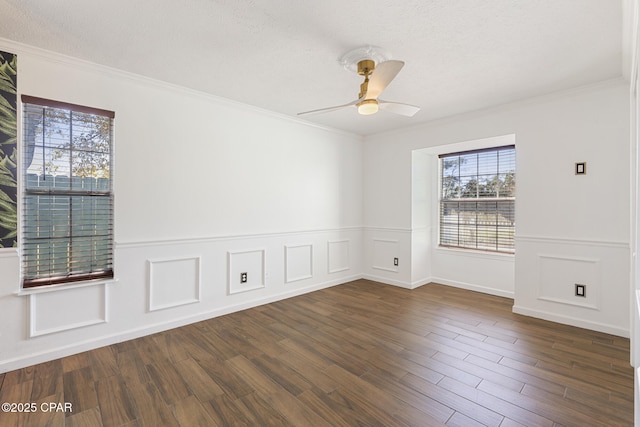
(364, 412)
(197, 380)
(313, 400)
(90, 418)
(281, 373)
(294, 410)
(15, 393)
(521, 415)
(442, 368)
(234, 386)
(456, 402)
(436, 410)
(131, 367)
(150, 407)
(172, 344)
(79, 389)
(349, 409)
(261, 413)
(47, 384)
(582, 403)
(548, 408)
(75, 362)
(518, 375)
(357, 354)
(225, 412)
(479, 371)
(46, 415)
(460, 420)
(307, 370)
(190, 412)
(396, 408)
(257, 379)
(169, 381)
(103, 362)
(115, 404)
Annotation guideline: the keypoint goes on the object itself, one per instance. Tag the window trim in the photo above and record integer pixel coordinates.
(27, 99)
(57, 282)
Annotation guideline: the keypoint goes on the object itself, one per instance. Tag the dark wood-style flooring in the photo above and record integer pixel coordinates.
(359, 354)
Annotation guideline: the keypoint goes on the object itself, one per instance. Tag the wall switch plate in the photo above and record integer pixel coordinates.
(581, 290)
(243, 277)
(395, 262)
(581, 168)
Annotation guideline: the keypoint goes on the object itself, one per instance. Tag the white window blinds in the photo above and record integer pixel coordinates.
(67, 207)
(477, 199)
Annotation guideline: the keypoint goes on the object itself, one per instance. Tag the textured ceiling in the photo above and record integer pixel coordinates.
(282, 55)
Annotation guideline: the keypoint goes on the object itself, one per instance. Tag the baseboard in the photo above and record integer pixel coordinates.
(572, 321)
(417, 283)
(52, 354)
(472, 287)
(387, 281)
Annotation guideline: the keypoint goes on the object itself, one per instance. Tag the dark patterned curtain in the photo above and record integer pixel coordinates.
(8, 151)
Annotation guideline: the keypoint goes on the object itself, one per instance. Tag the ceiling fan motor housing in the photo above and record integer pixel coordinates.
(366, 67)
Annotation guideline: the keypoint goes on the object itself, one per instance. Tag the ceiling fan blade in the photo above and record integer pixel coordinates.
(381, 77)
(398, 108)
(328, 109)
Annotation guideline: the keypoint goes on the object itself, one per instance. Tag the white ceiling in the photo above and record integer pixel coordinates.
(282, 55)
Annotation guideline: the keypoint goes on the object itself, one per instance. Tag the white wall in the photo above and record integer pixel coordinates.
(569, 229)
(205, 188)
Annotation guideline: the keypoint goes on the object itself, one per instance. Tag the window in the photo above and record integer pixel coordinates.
(67, 198)
(477, 199)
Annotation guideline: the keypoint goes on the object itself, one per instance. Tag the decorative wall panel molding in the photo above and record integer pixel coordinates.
(67, 309)
(384, 252)
(570, 241)
(173, 282)
(246, 270)
(559, 276)
(338, 256)
(298, 262)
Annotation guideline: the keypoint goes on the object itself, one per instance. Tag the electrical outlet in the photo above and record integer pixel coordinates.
(243, 277)
(581, 290)
(395, 262)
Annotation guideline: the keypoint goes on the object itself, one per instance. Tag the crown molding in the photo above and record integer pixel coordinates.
(59, 58)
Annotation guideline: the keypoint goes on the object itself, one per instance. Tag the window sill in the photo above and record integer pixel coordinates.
(64, 287)
(501, 256)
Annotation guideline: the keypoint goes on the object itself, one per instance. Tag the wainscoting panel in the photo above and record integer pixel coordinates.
(384, 253)
(81, 306)
(173, 282)
(338, 256)
(547, 270)
(246, 270)
(298, 261)
(381, 246)
(559, 276)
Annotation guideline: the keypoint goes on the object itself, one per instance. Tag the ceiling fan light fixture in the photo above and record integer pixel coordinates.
(367, 107)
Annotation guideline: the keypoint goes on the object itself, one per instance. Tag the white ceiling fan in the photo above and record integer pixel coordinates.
(376, 80)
